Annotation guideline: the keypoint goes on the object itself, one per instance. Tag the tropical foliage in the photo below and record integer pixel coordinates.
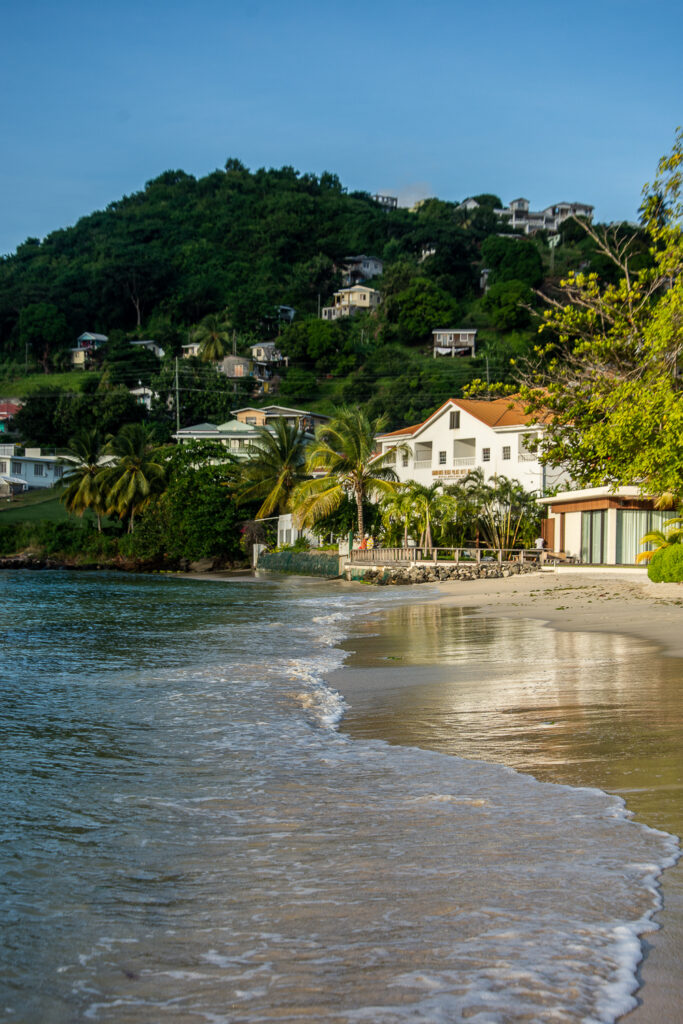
(662, 539)
(275, 467)
(342, 462)
(82, 479)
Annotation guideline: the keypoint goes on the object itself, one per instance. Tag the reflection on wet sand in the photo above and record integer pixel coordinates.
(584, 709)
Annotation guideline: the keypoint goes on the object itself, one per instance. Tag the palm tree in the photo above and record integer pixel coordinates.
(661, 539)
(396, 509)
(275, 467)
(424, 500)
(82, 483)
(136, 475)
(344, 452)
(213, 335)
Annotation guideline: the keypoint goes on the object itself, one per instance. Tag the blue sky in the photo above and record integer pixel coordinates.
(542, 99)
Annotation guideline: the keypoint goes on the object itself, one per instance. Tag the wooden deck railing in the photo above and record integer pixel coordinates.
(403, 556)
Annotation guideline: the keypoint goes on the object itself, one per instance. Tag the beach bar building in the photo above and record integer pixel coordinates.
(598, 526)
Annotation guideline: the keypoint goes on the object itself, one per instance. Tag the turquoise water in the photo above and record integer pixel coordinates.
(187, 837)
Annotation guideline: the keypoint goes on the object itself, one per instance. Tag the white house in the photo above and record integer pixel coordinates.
(190, 349)
(521, 218)
(356, 269)
(454, 341)
(600, 526)
(150, 346)
(26, 469)
(348, 301)
(465, 434)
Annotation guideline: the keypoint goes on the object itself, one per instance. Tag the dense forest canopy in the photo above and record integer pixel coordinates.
(239, 244)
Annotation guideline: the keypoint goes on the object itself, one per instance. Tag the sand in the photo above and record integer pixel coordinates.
(573, 678)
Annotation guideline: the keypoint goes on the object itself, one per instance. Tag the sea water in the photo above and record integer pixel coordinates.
(187, 837)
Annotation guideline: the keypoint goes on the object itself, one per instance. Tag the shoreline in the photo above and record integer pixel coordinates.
(646, 614)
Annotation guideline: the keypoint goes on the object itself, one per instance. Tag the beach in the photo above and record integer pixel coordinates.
(573, 678)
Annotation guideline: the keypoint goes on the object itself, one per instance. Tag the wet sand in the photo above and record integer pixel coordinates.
(595, 700)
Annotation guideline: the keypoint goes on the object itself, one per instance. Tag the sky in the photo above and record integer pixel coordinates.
(546, 100)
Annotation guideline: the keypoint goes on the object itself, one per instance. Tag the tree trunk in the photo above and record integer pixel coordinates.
(361, 523)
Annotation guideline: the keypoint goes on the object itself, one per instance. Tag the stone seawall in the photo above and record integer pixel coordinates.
(301, 563)
(404, 575)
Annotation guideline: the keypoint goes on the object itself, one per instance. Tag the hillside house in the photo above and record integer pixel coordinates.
(190, 350)
(86, 344)
(264, 416)
(465, 434)
(386, 202)
(454, 341)
(521, 218)
(27, 469)
(235, 367)
(266, 358)
(8, 411)
(349, 301)
(357, 269)
(149, 346)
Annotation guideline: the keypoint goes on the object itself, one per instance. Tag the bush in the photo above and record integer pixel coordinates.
(666, 565)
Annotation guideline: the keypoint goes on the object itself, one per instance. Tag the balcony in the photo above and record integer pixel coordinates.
(422, 463)
(469, 461)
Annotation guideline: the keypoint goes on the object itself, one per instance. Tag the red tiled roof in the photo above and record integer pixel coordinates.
(496, 412)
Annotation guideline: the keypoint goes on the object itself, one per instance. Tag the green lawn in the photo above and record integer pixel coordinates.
(35, 506)
(23, 386)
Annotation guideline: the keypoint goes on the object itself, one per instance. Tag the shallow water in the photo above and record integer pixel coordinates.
(187, 836)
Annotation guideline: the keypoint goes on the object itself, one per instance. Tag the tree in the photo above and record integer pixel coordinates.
(507, 304)
(138, 473)
(607, 382)
(82, 480)
(44, 331)
(275, 467)
(344, 451)
(213, 335)
(424, 502)
(512, 259)
(419, 309)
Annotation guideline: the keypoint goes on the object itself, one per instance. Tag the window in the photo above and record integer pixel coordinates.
(252, 420)
(38, 469)
(442, 458)
(507, 452)
(593, 537)
(58, 471)
(486, 455)
(455, 420)
(3, 467)
(406, 458)
(16, 468)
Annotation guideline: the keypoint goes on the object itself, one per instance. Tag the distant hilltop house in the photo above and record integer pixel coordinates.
(520, 218)
(144, 395)
(190, 349)
(86, 344)
(241, 431)
(348, 301)
(466, 434)
(386, 202)
(235, 367)
(8, 411)
(26, 469)
(356, 269)
(454, 341)
(266, 358)
(150, 346)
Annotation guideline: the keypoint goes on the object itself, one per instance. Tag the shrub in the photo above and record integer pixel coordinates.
(666, 565)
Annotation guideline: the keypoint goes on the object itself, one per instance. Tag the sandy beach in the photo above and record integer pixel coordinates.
(573, 678)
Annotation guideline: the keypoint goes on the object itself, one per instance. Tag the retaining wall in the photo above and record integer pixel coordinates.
(301, 563)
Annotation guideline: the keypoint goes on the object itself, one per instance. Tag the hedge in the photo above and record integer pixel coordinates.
(666, 565)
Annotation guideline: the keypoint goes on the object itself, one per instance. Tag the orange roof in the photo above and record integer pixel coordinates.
(402, 432)
(496, 412)
(499, 412)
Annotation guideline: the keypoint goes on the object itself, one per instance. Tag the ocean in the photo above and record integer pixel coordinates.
(187, 836)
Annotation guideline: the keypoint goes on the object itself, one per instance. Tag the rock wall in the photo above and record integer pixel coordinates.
(403, 575)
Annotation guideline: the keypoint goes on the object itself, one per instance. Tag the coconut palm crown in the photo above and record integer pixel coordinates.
(136, 475)
(83, 488)
(344, 451)
(275, 467)
(213, 335)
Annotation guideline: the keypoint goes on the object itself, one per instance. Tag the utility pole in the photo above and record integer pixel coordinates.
(488, 379)
(177, 398)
